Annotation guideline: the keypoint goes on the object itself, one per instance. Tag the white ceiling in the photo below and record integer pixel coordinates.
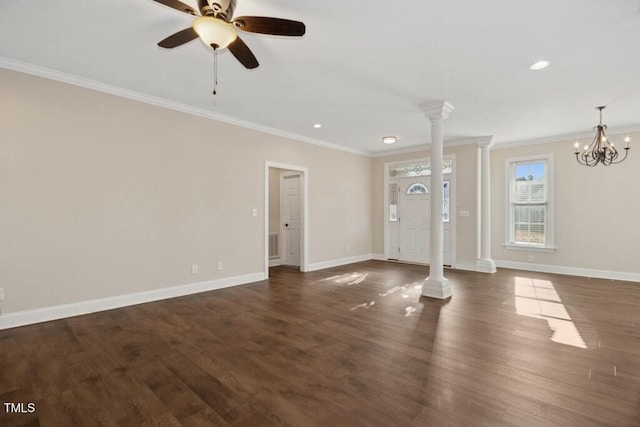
(363, 68)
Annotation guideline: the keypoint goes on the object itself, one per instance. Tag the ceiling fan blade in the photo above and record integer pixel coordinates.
(178, 5)
(179, 38)
(243, 54)
(274, 26)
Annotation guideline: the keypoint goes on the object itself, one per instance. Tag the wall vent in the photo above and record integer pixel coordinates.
(274, 245)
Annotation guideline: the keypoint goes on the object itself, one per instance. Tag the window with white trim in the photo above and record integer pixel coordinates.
(529, 197)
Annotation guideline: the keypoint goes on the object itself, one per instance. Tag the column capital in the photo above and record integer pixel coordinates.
(437, 109)
(485, 141)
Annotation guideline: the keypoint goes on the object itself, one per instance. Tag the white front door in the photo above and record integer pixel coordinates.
(415, 220)
(291, 219)
(410, 235)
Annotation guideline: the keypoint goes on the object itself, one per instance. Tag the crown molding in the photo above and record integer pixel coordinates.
(408, 150)
(437, 109)
(572, 137)
(48, 73)
(478, 141)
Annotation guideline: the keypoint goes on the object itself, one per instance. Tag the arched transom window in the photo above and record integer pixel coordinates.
(417, 188)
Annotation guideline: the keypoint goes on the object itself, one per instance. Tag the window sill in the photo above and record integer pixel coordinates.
(517, 247)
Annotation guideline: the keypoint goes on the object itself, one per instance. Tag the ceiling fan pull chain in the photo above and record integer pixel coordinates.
(215, 69)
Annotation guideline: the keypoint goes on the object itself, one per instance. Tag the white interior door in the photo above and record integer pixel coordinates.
(291, 218)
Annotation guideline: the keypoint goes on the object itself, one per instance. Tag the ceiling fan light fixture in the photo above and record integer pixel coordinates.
(214, 31)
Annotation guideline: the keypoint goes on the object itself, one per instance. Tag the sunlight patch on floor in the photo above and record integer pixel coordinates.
(349, 279)
(406, 292)
(364, 305)
(539, 299)
(395, 289)
(409, 311)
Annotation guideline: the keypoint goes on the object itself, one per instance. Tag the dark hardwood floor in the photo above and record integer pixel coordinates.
(348, 346)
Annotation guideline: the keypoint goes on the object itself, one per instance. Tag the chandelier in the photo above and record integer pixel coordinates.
(601, 150)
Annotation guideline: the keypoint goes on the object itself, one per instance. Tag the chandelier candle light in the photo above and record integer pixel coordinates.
(601, 150)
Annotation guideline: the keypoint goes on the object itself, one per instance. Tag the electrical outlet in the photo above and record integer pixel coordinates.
(348, 248)
(530, 258)
(255, 212)
(194, 269)
(220, 265)
(1, 294)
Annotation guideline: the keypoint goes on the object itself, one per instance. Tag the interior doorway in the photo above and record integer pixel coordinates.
(290, 201)
(286, 216)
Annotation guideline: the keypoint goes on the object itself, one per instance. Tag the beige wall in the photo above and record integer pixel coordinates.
(274, 200)
(102, 196)
(466, 190)
(597, 210)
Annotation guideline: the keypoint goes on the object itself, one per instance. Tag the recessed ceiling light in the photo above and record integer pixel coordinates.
(317, 126)
(389, 139)
(540, 65)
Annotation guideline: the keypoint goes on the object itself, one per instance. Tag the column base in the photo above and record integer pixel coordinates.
(436, 288)
(486, 266)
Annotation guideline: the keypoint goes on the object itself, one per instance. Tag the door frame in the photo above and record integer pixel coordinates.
(304, 214)
(452, 202)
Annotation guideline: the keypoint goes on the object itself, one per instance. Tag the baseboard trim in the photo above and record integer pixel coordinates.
(274, 262)
(45, 314)
(28, 317)
(486, 266)
(571, 271)
(467, 266)
(379, 257)
(338, 262)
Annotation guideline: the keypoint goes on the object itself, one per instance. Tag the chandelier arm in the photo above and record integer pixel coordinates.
(609, 146)
(580, 160)
(591, 155)
(613, 155)
(587, 159)
(626, 152)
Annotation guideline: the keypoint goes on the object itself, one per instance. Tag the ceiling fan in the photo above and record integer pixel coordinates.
(217, 27)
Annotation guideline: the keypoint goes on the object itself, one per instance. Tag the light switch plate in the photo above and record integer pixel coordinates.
(1, 294)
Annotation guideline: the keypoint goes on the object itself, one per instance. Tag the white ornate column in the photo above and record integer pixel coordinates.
(436, 285)
(484, 263)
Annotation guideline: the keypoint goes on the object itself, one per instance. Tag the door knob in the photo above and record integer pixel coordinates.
(286, 225)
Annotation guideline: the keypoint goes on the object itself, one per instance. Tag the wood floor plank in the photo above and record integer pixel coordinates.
(61, 410)
(354, 345)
